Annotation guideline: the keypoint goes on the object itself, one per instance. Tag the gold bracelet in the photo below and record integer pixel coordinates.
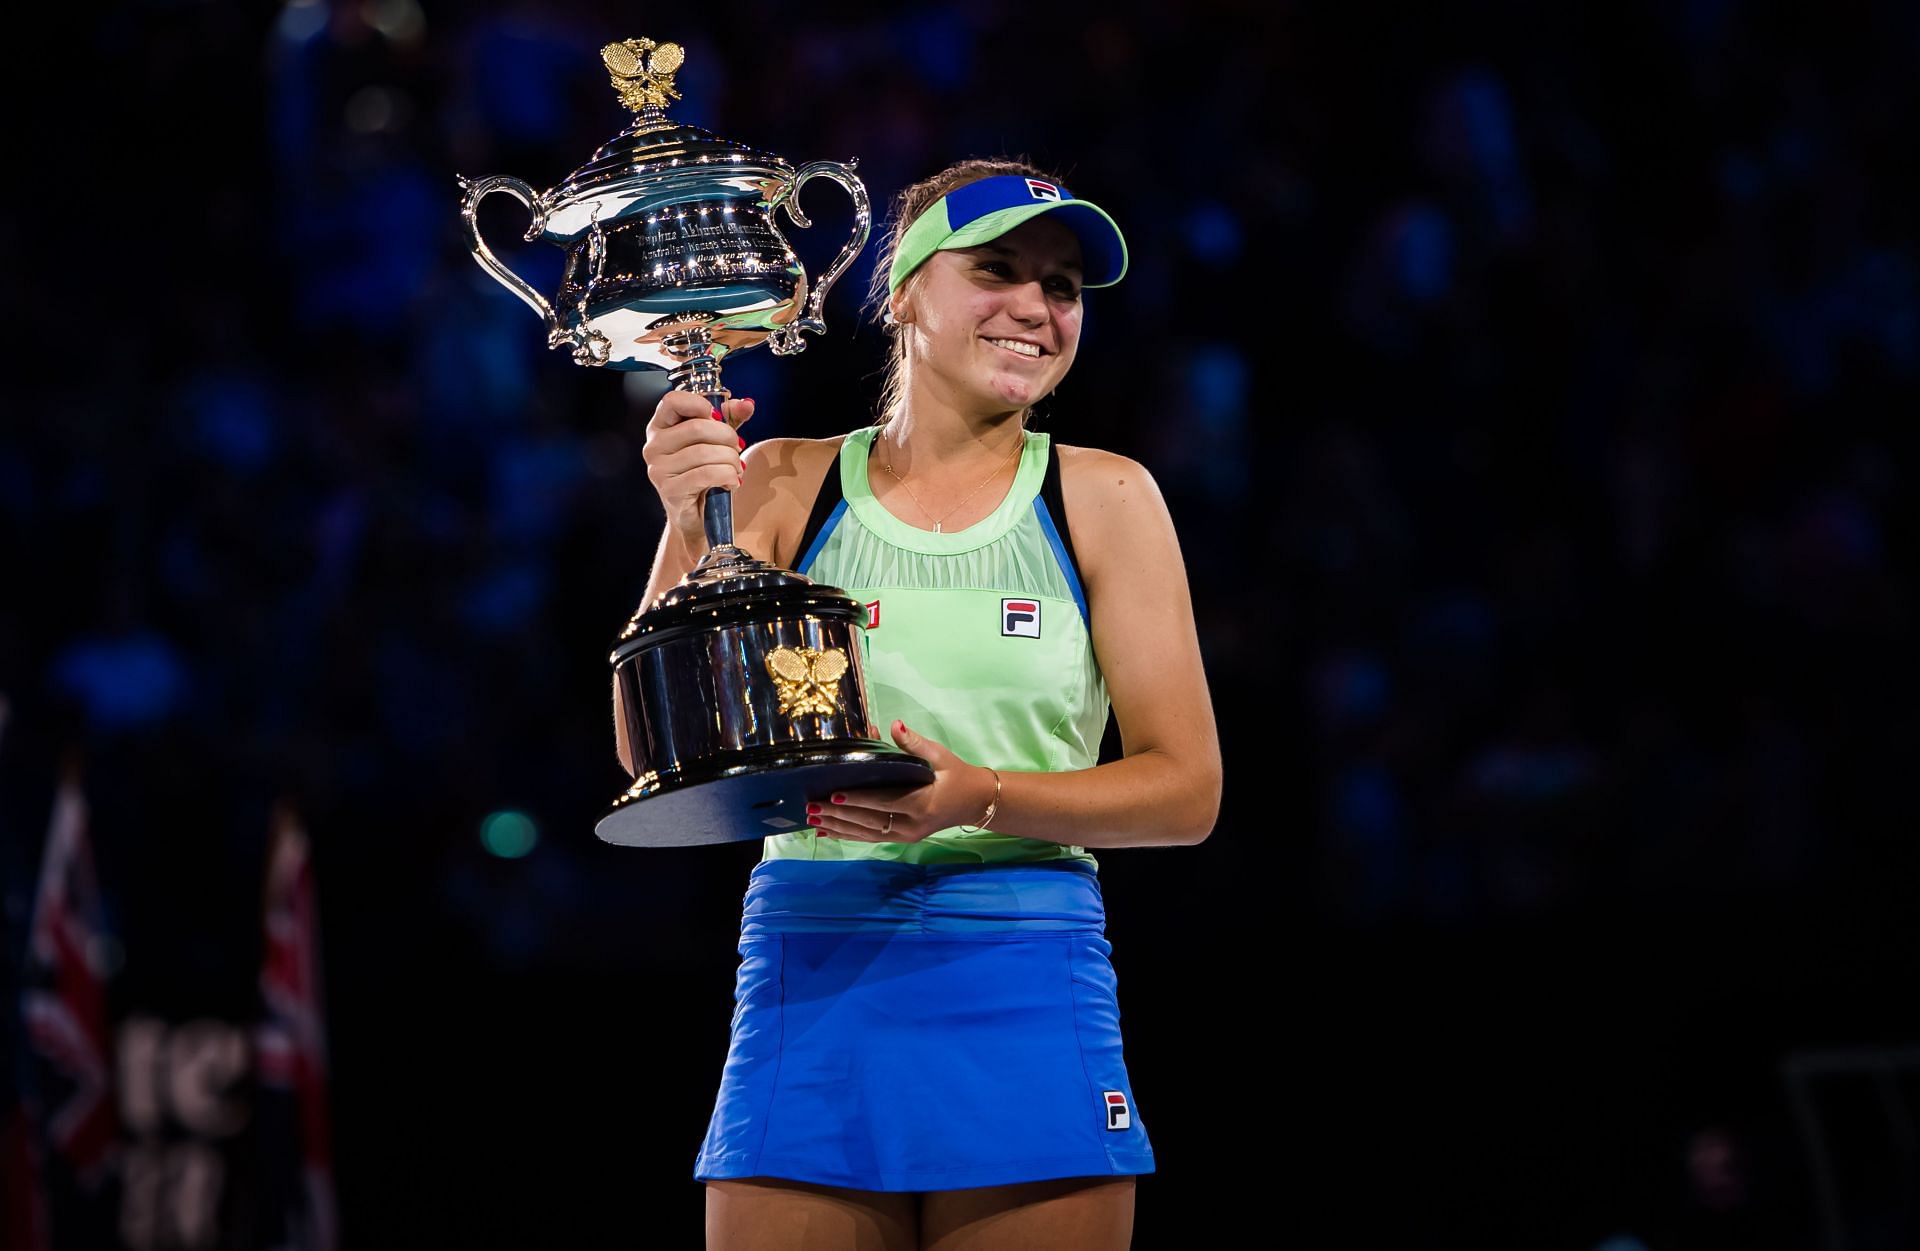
(982, 827)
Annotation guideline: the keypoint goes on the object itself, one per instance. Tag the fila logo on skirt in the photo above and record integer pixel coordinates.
(1020, 618)
(1117, 1117)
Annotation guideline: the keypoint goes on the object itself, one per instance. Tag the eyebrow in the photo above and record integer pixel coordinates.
(1001, 249)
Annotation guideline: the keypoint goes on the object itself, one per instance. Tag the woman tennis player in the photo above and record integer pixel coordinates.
(926, 1046)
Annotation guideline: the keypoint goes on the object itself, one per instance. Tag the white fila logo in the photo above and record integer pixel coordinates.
(873, 614)
(1043, 190)
(1020, 618)
(1117, 1116)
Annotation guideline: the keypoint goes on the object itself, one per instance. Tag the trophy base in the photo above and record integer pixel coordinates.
(749, 801)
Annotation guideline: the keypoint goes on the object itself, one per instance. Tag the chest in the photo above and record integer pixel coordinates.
(985, 645)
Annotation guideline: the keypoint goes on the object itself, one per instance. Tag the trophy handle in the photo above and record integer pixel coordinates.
(477, 190)
(786, 340)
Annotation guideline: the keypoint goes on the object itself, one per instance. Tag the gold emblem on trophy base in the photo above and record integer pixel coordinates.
(808, 681)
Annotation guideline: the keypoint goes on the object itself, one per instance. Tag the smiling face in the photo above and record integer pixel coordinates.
(994, 327)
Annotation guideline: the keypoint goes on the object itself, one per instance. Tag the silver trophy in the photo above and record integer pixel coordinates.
(742, 688)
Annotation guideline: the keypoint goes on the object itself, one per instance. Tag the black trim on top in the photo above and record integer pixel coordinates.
(1057, 505)
(824, 502)
(829, 497)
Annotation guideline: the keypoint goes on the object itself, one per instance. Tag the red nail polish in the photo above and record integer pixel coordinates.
(839, 799)
(717, 416)
(743, 442)
(813, 820)
(813, 807)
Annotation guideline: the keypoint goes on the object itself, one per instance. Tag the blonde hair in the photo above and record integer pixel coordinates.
(907, 206)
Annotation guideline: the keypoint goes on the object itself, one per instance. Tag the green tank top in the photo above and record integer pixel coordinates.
(976, 638)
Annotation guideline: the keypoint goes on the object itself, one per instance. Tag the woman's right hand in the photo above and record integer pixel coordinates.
(690, 449)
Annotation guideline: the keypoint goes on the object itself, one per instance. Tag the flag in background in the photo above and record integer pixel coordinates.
(23, 1204)
(292, 1052)
(64, 1003)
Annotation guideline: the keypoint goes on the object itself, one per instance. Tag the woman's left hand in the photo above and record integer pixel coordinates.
(958, 794)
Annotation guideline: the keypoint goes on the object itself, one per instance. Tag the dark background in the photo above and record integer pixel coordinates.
(1533, 391)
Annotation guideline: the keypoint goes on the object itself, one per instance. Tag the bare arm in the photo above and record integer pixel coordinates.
(1166, 788)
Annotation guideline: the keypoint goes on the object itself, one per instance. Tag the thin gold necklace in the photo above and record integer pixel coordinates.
(887, 461)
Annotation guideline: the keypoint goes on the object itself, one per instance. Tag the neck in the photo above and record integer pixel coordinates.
(930, 430)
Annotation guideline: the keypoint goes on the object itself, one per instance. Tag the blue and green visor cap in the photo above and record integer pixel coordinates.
(984, 210)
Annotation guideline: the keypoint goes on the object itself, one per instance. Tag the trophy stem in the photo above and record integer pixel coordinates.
(699, 372)
(718, 508)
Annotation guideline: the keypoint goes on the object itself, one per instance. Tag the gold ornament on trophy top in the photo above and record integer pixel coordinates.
(643, 71)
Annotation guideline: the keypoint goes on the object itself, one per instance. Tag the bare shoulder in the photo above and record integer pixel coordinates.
(783, 477)
(1094, 480)
(802, 462)
(1115, 512)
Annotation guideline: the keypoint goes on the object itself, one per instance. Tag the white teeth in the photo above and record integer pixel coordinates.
(1025, 349)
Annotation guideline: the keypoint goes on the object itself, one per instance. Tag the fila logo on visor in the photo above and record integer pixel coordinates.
(1020, 618)
(1117, 1115)
(1043, 190)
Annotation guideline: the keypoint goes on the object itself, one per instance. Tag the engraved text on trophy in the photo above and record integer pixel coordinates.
(687, 246)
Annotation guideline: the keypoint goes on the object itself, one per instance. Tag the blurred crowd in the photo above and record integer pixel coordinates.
(1528, 400)
(1532, 393)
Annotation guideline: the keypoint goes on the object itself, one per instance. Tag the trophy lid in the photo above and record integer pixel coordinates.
(654, 144)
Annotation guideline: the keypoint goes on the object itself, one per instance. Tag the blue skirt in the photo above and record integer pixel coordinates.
(924, 1027)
